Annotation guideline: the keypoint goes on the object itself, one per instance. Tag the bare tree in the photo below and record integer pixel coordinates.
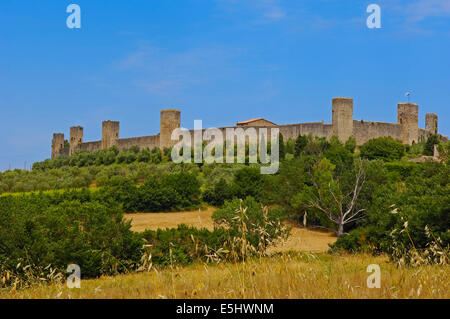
(327, 194)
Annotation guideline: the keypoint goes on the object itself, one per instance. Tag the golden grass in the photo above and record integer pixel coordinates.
(287, 276)
(301, 239)
(153, 221)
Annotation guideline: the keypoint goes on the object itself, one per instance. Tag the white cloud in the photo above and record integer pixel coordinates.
(163, 73)
(420, 10)
(272, 10)
(265, 10)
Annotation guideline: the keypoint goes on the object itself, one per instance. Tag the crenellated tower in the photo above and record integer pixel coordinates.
(76, 139)
(57, 144)
(342, 118)
(343, 126)
(170, 120)
(431, 123)
(110, 134)
(408, 118)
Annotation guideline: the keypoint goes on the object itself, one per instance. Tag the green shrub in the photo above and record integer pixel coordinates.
(218, 194)
(358, 240)
(156, 156)
(402, 170)
(232, 217)
(384, 148)
(248, 181)
(350, 144)
(399, 213)
(183, 245)
(186, 185)
(281, 146)
(339, 155)
(123, 191)
(176, 191)
(155, 196)
(429, 145)
(300, 144)
(91, 235)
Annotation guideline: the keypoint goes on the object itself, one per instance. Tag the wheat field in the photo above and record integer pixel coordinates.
(299, 269)
(152, 221)
(293, 275)
(301, 239)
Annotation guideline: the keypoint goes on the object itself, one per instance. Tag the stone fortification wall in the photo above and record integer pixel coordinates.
(343, 126)
(364, 131)
(142, 142)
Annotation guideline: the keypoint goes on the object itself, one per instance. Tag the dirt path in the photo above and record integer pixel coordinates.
(301, 239)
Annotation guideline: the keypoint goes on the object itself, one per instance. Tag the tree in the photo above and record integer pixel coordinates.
(144, 156)
(316, 146)
(248, 181)
(290, 146)
(334, 197)
(121, 157)
(109, 157)
(339, 155)
(187, 185)
(134, 149)
(429, 145)
(130, 157)
(351, 144)
(444, 151)
(218, 194)
(300, 144)
(384, 148)
(421, 200)
(282, 149)
(156, 156)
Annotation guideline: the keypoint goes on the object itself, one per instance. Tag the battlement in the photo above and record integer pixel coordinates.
(57, 144)
(110, 134)
(170, 120)
(342, 117)
(76, 139)
(343, 126)
(408, 118)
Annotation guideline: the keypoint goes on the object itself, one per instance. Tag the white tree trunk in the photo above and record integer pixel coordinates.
(340, 231)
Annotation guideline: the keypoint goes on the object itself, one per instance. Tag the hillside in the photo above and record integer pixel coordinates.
(122, 218)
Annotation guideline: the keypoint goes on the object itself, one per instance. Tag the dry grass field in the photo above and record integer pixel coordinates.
(153, 221)
(301, 239)
(298, 269)
(294, 275)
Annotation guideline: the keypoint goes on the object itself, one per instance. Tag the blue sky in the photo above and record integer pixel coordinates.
(221, 61)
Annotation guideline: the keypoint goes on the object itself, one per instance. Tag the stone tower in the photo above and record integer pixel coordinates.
(57, 144)
(170, 120)
(110, 134)
(431, 123)
(76, 139)
(342, 118)
(408, 118)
